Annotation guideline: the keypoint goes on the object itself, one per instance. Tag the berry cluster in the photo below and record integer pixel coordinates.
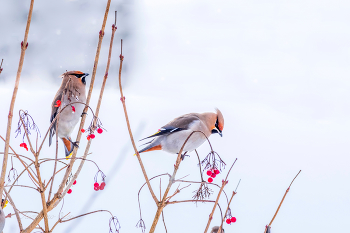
(212, 173)
(24, 145)
(91, 135)
(98, 186)
(70, 190)
(231, 220)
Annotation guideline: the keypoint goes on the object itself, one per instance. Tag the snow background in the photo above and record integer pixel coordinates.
(278, 71)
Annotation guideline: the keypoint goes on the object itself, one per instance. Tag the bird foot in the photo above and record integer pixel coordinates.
(183, 156)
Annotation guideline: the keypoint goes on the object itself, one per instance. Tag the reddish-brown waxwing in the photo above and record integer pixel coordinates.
(70, 116)
(216, 229)
(172, 136)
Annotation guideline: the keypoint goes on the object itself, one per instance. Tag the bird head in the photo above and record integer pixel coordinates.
(219, 124)
(78, 75)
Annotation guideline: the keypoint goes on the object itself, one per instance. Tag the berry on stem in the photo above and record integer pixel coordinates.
(99, 130)
(69, 191)
(75, 182)
(228, 221)
(209, 173)
(210, 179)
(96, 184)
(96, 188)
(216, 171)
(82, 130)
(233, 219)
(92, 136)
(213, 175)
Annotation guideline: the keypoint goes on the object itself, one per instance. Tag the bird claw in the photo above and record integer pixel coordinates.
(183, 156)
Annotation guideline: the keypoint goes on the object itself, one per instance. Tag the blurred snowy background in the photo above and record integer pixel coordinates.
(278, 71)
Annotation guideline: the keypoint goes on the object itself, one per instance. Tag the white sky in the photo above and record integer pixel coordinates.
(278, 71)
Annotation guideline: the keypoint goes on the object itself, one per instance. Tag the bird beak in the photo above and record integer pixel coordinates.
(220, 133)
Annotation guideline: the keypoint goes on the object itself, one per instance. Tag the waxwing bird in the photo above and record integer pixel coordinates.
(172, 136)
(2, 215)
(216, 229)
(69, 117)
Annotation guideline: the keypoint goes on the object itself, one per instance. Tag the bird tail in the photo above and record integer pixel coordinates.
(68, 147)
(151, 147)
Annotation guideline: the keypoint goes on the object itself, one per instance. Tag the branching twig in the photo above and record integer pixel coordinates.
(224, 182)
(15, 209)
(279, 206)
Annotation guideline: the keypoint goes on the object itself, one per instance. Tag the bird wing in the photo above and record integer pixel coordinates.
(53, 115)
(178, 124)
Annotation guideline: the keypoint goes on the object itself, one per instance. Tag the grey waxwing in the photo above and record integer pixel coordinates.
(73, 89)
(172, 136)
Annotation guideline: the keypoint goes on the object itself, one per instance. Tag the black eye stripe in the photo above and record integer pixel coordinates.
(79, 75)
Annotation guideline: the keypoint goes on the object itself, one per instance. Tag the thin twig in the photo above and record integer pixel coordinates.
(285, 194)
(122, 98)
(228, 207)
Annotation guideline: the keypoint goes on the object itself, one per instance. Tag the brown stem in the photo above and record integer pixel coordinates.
(15, 209)
(122, 98)
(42, 194)
(228, 206)
(224, 182)
(285, 194)
(12, 105)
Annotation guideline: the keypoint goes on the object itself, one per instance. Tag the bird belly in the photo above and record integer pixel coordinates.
(68, 119)
(172, 143)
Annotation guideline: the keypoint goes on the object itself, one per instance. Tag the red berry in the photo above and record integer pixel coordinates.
(99, 130)
(73, 108)
(75, 182)
(233, 219)
(102, 186)
(216, 171)
(88, 137)
(228, 221)
(22, 144)
(96, 188)
(209, 173)
(82, 130)
(69, 191)
(213, 175)
(92, 136)
(210, 179)
(96, 184)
